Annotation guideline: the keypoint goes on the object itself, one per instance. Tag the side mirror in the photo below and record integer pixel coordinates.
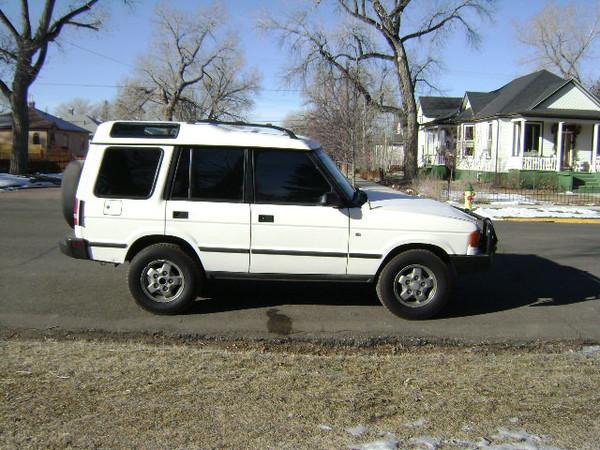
(361, 197)
(331, 199)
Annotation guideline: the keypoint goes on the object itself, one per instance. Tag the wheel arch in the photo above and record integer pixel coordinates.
(146, 241)
(436, 250)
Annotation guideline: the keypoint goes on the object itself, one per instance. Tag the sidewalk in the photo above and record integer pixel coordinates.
(516, 212)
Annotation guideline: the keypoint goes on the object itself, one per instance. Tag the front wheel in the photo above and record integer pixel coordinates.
(415, 284)
(163, 279)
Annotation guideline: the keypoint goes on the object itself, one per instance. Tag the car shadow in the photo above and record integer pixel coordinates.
(513, 281)
(236, 295)
(521, 280)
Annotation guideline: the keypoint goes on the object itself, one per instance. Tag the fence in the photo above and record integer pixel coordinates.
(488, 194)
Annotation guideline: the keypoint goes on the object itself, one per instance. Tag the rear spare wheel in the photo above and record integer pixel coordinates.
(69, 184)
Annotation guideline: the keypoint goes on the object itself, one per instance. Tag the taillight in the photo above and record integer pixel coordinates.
(474, 239)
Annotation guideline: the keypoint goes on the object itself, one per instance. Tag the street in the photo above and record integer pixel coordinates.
(544, 286)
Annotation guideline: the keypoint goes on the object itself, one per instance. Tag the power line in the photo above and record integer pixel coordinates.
(54, 83)
(93, 52)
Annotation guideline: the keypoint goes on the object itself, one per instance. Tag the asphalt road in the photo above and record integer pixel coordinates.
(544, 286)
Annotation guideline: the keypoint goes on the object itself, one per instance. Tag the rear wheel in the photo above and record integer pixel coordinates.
(415, 284)
(164, 279)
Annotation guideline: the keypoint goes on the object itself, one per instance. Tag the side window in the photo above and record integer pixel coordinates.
(128, 172)
(216, 174)
(287, 177)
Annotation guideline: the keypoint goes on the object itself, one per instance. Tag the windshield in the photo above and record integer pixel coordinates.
(340, 179)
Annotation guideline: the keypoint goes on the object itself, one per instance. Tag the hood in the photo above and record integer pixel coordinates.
(415, 205)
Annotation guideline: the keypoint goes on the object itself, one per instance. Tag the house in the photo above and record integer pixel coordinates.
(537, 124)
(50, 138)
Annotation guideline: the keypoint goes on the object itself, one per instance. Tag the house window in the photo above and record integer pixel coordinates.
(516, 139)
(488, 150)
(469, 140)
(533, 138)
(36, 139)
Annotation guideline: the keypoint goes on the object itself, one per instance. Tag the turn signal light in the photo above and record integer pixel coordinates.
(474, 239)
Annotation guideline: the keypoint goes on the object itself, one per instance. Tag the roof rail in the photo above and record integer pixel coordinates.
(290, 133)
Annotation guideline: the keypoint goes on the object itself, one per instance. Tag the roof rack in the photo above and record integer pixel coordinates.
(290, 133)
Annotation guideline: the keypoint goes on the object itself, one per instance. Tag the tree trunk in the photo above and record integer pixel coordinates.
(407, 90)
(20, 129)
(410, 145)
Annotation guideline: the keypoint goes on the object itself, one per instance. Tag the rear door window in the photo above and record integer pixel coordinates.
(210, 174)
(128, 172)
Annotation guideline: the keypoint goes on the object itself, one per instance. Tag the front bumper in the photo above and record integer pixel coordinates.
(487, 247)
(75, 247)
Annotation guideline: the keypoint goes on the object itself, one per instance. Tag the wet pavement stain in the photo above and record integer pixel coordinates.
(278, 323)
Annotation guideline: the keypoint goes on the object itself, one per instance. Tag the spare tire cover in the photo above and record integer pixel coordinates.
(69, 184)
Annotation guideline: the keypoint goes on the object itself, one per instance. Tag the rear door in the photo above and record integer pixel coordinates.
(124, 201)
(293, 232)
(206, 206)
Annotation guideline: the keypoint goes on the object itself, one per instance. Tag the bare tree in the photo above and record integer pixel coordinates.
(561, 38)
(193, 70)
(83, 112)
(386, 35)
(23, 51)
(338, 117)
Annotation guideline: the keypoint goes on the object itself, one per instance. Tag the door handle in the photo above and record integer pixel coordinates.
(180, 214)
(266, 218)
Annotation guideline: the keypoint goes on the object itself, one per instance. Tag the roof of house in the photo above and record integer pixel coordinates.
(519, 96)
(40, 120)
(439, 107)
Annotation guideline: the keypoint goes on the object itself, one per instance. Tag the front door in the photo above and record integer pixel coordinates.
(293, 232)
(568, 141)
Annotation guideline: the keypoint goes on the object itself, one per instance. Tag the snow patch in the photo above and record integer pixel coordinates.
(427, 442)
(591, 350)
(377, 445)
(416, 424)
(10, 182)
(357, 431)
(540, 212)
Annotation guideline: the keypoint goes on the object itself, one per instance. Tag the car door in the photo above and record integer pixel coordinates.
(122, 202)
(207, 206)
(292, 231)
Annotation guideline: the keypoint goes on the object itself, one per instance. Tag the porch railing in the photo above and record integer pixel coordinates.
(597, 168)
(539, 163)
(481, 163)
(433, 160)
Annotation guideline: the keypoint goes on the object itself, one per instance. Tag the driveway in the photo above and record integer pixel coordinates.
(544, 286)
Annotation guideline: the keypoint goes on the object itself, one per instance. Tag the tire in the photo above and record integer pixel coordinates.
(68, 187)
(177, 277)
(415, 284)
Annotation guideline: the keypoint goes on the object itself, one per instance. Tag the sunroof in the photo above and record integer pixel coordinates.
(144, 130)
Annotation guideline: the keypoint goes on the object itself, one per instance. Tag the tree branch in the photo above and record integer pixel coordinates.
(5, 89)
(9, 25)
(57, 26)
(25, 19)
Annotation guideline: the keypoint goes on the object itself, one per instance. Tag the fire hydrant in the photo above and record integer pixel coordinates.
(469, 196)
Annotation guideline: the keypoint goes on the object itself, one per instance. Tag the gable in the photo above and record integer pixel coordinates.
(570, 96)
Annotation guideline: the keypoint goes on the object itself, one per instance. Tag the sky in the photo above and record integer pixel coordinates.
(91, 65)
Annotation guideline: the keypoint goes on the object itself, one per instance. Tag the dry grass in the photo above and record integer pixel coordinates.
(133, 394)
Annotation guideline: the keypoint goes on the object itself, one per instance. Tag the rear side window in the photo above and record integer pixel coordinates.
(210, 174)
(287, 177)
(128, 172)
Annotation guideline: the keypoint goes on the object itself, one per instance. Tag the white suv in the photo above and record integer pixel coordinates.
(185, 203)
